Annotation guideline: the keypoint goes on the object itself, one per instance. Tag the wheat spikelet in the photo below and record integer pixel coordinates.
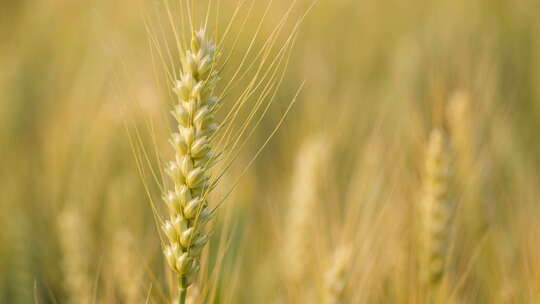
(186, 201)
(435, 211)
(337, 275)
(74, 243)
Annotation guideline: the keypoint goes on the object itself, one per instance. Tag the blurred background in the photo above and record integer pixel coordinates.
(82, 98)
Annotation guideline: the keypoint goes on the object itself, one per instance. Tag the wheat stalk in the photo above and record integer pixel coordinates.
(187, 201)
(435, 211)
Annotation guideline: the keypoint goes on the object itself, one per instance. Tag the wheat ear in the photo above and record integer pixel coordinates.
(462, 130)
(435, 211)
(310, 163)
(126, 262)
(186, 201)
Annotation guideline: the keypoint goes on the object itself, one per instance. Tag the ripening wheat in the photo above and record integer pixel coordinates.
(186, 201)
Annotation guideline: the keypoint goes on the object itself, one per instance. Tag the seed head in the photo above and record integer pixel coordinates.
(189, 172)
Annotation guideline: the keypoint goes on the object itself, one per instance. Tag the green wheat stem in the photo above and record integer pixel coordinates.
(182, 291)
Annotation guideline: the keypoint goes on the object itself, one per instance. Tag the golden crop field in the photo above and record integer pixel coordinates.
(269, 151)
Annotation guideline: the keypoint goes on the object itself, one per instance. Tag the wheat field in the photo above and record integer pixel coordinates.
(269, 151)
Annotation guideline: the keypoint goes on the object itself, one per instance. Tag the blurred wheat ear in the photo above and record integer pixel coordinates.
(126, 267)
(435, 213)
(311, 160)
(74, 241)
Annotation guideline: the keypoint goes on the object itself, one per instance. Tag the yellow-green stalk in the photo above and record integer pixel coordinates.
(187, 197)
